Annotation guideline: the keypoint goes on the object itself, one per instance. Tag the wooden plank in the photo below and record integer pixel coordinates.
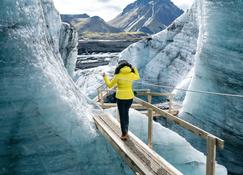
(211, 155)
(158, 94)
(155, 114)
(144, 149)
(121, 148)
(111, 105)
(141, 90)
(139, 157)
(194, 129)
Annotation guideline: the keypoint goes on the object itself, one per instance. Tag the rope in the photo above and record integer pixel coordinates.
(195, 91)
(187, 90)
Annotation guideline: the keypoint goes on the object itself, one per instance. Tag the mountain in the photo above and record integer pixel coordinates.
(147, 16)
(85, 23)
(69, 18)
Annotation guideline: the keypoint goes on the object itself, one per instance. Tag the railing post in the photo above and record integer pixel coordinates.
(98, 91)
(211, 155)
(150, 121)
(150, 128)
(170, 102)
(149, 96)
(100, 96)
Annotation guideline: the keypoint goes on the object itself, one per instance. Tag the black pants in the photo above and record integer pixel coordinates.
(123, 108)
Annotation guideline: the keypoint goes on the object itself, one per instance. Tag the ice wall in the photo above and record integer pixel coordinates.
(63, 37)
(68, 47)
(219, 68)
(45, 121)
(167, 57)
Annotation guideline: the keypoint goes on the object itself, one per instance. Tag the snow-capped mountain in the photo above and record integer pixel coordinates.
(85, 23)
(149, 16)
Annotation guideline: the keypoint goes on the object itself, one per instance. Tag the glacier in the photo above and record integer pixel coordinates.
(45, 120)
(68, 47)
(219, 68)
(168, 56)
(89, 80)
(210, 32)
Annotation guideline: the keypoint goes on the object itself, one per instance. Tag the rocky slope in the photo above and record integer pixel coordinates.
(147, 16)
(84, 23)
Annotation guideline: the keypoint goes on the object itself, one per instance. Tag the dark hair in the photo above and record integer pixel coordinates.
(122, 64)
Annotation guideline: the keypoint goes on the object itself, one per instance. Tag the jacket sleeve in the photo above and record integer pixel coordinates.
(136, 74)
(112, 83)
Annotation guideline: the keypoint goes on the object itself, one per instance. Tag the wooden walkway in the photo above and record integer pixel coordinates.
(139, 157)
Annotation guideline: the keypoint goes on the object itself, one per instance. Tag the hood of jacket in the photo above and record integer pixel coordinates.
(125, 70)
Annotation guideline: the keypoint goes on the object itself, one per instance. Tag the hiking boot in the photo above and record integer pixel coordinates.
(124, 136)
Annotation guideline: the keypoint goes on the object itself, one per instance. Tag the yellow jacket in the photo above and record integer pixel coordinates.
(123, 80)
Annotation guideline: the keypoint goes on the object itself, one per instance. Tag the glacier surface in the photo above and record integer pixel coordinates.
(68, 47)
(210, 31)
(219, 68)
(46, 122)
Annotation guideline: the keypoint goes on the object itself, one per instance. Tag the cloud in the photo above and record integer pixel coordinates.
(104, 0)
(106, 9)
(114, 7)
(183, 4)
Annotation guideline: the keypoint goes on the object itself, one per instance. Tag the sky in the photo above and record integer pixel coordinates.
(106, 9)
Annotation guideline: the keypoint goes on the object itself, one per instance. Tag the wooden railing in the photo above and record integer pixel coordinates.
(212, 140)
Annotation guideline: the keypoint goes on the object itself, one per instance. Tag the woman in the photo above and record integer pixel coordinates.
(124, 76)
